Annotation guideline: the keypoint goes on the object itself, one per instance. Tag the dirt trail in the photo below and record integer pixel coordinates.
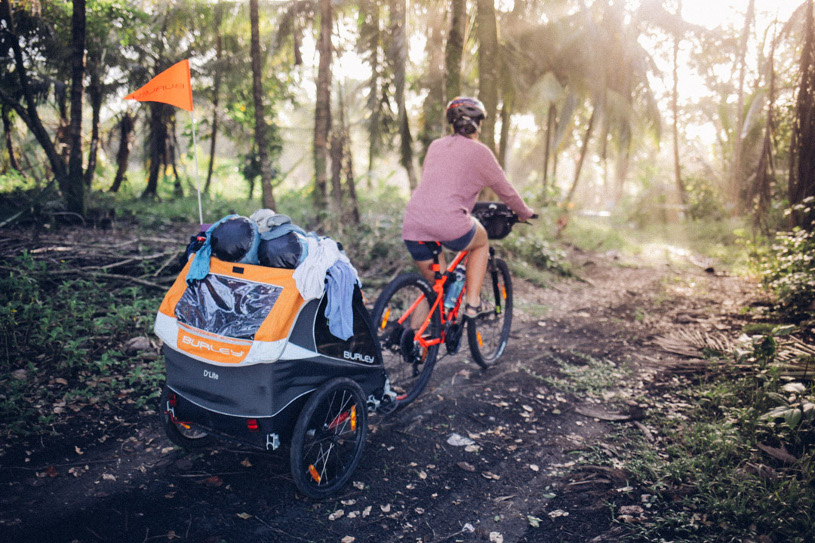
(530, 425)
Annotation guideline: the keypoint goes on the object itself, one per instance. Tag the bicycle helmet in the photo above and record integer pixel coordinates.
(465, 114)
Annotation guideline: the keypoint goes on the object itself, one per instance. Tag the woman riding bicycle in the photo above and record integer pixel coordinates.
(456, 168)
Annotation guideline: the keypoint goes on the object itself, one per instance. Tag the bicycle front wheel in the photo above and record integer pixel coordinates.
(397, 316)
(488, 334)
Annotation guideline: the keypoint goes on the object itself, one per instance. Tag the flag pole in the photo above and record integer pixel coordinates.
(197, 177)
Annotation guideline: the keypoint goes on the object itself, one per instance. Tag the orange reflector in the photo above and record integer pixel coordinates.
(313, 472)
(504, 290)
(385, 318)
(354, 418)
(480, 341)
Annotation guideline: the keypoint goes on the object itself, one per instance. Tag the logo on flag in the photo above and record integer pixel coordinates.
(172, 86)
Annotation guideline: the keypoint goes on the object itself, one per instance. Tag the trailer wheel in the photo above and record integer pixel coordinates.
(328, 438)
(177, 432)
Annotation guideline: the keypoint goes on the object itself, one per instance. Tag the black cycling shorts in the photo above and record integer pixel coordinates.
(421, 252)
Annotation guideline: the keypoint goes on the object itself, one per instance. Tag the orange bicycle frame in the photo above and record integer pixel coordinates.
(438, 288)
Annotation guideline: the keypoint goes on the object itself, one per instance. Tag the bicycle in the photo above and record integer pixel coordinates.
(410, 353)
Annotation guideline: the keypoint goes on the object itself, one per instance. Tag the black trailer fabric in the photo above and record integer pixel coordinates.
(261, 390)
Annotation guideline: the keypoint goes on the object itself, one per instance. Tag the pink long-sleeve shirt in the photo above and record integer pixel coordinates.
(456, 169)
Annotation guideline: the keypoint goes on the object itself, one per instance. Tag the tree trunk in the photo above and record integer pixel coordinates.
(399, 57)
(95, 96)
(157, 146)
(123, 154)
(547, 147)
(369, 45)
(454, 48)
(350, 182)
(761, 193)
(433, 106)
(487, 68)
(261, 136)
(216, 91)
(508, 97)
(9, 142)
(29, 113)
(74, 190)
(802, 146)
(680, 186)
(169, 160)
(736, 186)
(336, 153)
(583, 152)
(322, 109)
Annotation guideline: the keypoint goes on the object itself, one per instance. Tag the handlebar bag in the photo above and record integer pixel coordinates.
(496, 217)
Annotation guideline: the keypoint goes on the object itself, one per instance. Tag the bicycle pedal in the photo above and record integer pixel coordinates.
(452, 339)
(409, 347)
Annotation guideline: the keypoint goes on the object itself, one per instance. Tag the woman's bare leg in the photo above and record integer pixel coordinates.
(479, 254)
(426, 271)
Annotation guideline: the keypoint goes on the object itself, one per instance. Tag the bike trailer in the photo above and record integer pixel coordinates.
(244, 352)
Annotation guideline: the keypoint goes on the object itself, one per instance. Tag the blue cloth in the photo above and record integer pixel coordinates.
(341, 278)
(200, 266)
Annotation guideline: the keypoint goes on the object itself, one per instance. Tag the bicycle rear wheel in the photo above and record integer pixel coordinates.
(488, 334)
(408, 365)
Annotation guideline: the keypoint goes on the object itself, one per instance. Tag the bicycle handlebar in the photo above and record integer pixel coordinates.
(497, 218)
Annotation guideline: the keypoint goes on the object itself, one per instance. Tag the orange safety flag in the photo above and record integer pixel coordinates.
(172, 86)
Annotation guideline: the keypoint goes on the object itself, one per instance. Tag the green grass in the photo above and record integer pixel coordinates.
(711, 482)
(61, 346)
(587, 375)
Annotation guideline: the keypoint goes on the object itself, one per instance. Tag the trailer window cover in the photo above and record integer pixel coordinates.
(227, 306)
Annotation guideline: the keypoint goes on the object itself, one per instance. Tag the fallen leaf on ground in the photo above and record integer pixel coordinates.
(358, 485)
(594, 413)
(457, 440)
(558, 513)
(246, 463)
(348, 539)
(779, 454)
(496, 537)
(244, 516)
(366, 511)
(108, 477)
(534, 467)
(466, 466)
(385, 508)
(212, 481)
(490, 475)
(631, 510)
(336, 514)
